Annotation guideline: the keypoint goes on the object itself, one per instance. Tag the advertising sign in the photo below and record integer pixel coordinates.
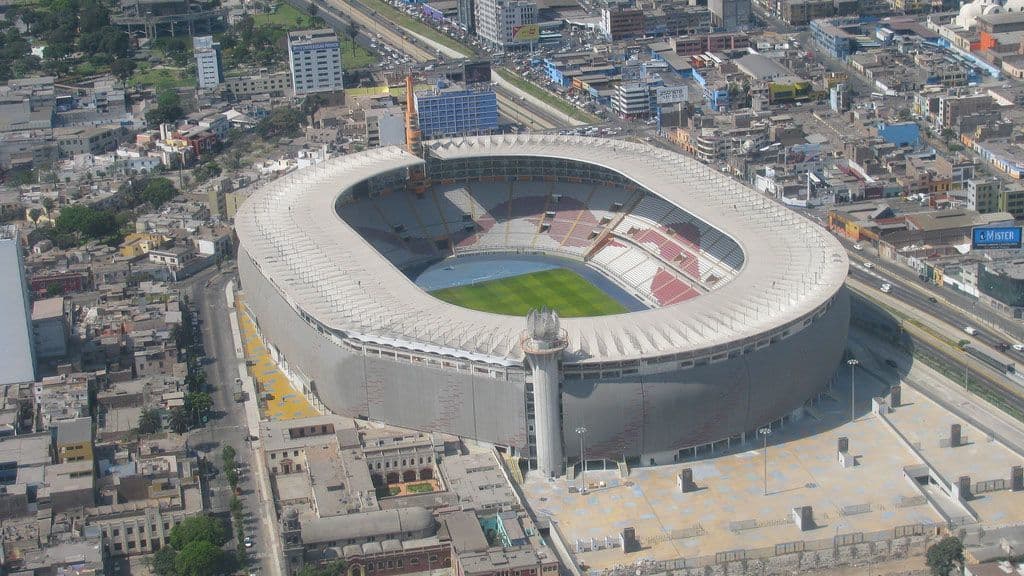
(526, 33)
(1001, 237)
(474, 72)
(671, 94)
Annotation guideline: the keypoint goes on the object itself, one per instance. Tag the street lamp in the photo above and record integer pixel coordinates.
(765, 431)
(582, 430)
(853, 362)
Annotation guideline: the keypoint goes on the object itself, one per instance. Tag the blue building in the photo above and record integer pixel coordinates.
(457, 111)
(836, 37)
(900, 134)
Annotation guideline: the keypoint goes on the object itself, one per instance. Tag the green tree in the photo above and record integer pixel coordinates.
(122, 69)
(162, 562)
(200, 528)
(158, 191)
(236, 506)
(168, 109)
(336, 568)
(199, 558)
(284, 122)
(178, 420)
(945, 555)
(149, 421)
(86, 222)
(198, 403)
(227, 456)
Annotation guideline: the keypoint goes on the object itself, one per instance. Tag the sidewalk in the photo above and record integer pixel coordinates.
(252, 418)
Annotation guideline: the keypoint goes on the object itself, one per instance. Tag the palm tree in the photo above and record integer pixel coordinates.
(179, 420)
(149, 421)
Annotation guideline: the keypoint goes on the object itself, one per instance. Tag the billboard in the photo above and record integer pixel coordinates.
(1000, 237)
(476, 72)
(801, 153)
(671, 94)
(526, 33)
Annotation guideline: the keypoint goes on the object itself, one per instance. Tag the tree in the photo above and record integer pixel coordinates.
(149, 421)
(283, 122)
(198, 403)
(179, 420)
(945, 555)
(122, 69)
(200, 528)
(336, 568)
(157, 191)
(227, 455)
(86, 222)
(162, 562)
(312, 9)
(168, 109)
(199, 558)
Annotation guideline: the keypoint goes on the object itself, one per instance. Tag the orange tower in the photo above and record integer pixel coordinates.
(417, 174)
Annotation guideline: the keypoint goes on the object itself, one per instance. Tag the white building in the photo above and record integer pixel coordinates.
(16, 335)
(314, 57)
(207, 54)
(507, 23)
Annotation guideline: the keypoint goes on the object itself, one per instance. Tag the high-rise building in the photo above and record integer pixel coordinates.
(467, 16)
(618, 23)
(730, 14)
(457, 111)
(208, 66)
(507, 23)
(314, 57)
(16, 336)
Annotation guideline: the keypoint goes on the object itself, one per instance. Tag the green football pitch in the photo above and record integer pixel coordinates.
(563, 290)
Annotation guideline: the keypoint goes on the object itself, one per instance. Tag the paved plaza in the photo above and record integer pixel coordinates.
(730, 511)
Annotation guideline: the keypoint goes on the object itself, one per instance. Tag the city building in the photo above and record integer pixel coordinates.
(457, 111)
(987, 195)
(385, 127)
(275, 84)
(619, 23)
(507, 23)
(208, 64)
(730, 14)
(314, 58)
(1001, 285)
(467, 15)
(16, 335)
(73, 441)
(50, 328)
(632, 100)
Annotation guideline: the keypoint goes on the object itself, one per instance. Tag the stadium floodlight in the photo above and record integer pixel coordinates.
(853, 362)
(582, 430)
(765, 431)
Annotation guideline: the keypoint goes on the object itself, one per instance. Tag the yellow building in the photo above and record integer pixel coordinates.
(140, 243)
(74, 440)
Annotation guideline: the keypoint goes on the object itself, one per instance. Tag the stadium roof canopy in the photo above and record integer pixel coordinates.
(325, 268)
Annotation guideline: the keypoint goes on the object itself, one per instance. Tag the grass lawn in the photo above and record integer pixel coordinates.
(561, 289)
(419, 488)
(359, 58)
(160, 78)
(403, 20)
(285, 16)
(547, 97)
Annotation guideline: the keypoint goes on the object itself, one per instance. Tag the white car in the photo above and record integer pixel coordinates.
(248, 541)
(886, 287)
(868, 265)
(858, 247)
(1018, 347)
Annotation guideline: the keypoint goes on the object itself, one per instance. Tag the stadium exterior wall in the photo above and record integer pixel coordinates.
(647, 416)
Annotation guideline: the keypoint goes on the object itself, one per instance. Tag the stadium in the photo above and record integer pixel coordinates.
(693, 310)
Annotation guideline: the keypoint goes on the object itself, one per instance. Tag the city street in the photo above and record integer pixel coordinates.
(227, 426)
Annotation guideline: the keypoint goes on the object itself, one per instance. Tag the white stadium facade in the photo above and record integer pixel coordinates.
(746, 317)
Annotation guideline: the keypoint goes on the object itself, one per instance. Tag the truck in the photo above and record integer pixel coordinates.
(1004, 367)
(239, 394)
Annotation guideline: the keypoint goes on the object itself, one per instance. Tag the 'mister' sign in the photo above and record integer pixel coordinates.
(1002, 237)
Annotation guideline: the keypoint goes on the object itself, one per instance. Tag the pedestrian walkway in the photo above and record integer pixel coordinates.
(278, 400)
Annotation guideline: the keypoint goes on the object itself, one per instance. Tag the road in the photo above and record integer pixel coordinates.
(227, 427)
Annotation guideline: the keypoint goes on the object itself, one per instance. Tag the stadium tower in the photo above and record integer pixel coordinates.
(413, 135)
(543, 344)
